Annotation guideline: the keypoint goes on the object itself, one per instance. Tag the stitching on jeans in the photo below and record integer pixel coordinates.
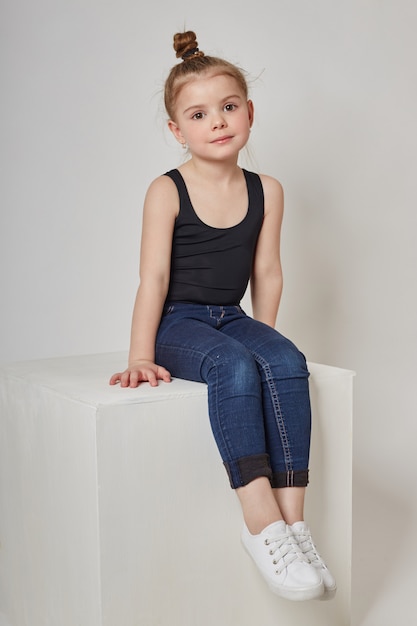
(218, 319)
(290, 478)
(279, 417)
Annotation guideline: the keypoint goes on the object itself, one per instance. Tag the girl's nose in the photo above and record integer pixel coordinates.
(218, 122)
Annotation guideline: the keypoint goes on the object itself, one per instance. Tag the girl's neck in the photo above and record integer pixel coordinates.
(211, 170)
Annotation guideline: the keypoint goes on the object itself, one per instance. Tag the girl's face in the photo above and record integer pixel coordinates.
(212, 116)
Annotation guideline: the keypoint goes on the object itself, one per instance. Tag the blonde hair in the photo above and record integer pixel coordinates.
(195, 63)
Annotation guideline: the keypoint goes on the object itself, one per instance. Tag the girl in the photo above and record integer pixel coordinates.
(208, 227)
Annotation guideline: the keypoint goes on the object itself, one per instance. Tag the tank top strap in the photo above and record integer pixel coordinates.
(255, 190)
(186, 208)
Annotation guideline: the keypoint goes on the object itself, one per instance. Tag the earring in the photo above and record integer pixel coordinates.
(184, 145)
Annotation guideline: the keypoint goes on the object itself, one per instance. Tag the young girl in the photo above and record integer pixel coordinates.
(208, 227)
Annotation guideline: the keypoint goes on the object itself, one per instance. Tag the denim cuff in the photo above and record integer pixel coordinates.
(247, 468)
(293, 478)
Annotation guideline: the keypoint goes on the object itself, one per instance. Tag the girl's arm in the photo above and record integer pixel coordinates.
(266, 279)
(159, 213)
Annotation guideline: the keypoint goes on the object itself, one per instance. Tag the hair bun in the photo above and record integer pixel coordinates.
(186, 45)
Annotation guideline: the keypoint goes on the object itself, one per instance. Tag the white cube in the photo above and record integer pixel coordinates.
(115, 508)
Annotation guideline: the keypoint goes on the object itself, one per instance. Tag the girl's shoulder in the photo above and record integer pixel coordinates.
(162, 184)
(162, 187)
(162, 194)
(271, 184)
(273, 194)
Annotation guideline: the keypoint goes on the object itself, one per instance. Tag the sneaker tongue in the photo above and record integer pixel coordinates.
(275, 528)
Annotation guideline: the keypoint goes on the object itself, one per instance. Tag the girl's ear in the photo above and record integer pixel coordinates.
(251, 112)
(175, 130)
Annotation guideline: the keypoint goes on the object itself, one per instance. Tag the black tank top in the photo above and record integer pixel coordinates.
(213, 265)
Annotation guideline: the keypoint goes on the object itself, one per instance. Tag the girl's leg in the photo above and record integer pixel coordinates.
(286, 410)
(290, 501)
(287, 416)
(259, 506)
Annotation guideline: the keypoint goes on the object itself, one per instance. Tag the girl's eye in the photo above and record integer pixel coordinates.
(198, 116)
(229, 107)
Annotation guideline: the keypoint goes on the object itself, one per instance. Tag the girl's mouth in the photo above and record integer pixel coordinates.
(222, 139)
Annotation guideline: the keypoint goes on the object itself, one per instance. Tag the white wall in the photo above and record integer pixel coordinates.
(335, 89)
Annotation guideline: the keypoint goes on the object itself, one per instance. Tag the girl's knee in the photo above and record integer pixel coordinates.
(236, 365)
(297, 361)
(285, 361)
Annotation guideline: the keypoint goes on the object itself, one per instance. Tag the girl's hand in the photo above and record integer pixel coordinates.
(141, 371)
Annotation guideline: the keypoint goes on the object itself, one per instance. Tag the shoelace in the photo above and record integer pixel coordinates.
(287, 548)
(308, 549)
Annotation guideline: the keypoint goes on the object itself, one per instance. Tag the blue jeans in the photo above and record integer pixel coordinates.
(258, 394)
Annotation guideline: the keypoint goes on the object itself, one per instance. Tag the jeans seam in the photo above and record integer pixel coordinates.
(278, 415)
(219, 420)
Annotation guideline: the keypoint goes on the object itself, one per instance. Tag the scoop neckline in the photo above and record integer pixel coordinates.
(208, 225)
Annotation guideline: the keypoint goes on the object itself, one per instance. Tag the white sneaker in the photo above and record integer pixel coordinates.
(305, 541)
(281, 563)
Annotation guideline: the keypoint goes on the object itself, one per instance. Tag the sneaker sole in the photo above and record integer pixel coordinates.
(328, 594)
(297, 595)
